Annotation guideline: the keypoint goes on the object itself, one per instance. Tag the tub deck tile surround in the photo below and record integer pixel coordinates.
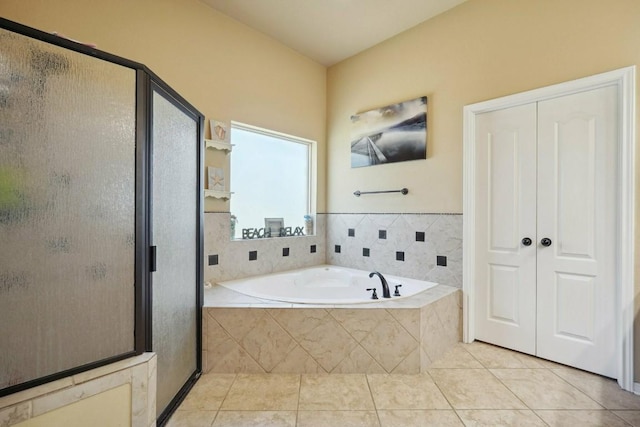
(250, 335)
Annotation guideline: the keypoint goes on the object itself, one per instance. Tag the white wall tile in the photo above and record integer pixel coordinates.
(443, 236)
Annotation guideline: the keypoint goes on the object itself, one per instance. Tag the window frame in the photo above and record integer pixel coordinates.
(311, 155)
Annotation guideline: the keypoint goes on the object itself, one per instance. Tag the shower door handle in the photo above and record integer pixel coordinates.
(152, 258)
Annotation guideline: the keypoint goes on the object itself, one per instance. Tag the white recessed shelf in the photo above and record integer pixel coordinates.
(218, 145)
(217, 194)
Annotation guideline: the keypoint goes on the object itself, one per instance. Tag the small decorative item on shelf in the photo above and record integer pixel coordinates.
(274, 225)
(308, 225)
(216, 178)
(234, 221)
(218, 130)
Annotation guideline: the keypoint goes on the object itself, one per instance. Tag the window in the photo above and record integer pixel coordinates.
(270, 179)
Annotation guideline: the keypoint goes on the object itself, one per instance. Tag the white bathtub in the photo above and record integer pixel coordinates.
(324, 284)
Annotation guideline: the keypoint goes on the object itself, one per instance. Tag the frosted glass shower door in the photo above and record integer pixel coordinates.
(67, 211)
(175, 207)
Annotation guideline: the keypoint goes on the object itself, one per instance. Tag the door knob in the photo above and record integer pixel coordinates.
(545, 242)
(526, 241)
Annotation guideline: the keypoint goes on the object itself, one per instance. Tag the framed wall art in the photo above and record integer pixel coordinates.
(395, 133)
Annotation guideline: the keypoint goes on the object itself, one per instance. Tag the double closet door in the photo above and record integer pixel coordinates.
(546, 180)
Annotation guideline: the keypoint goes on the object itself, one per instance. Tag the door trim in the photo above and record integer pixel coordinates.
(624, 79)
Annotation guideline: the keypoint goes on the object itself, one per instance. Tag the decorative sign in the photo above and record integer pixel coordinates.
(287, 232)
(264, 233)
(256, 233)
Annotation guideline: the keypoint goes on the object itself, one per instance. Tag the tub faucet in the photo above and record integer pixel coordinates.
(385, 285)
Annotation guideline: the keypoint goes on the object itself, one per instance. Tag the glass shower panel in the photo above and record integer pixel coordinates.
(67, 209)
(174, 283)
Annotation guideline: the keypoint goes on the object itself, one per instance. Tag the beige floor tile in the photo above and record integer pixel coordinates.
(406, 392)
(601, 418)
(603, 390)
(208, 393)
(474, 389)
(419, 418)
(457, 357)
(255, 418)
(335, 392)
(263, 392)
(548, 364)
(503, 417)
(491, 356)
(338, 418)
(632, 417)
(541, 389)
(191, 419)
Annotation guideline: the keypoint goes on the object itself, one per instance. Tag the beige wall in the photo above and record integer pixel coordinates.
(483, 49)
(480, 50)
(225, 69)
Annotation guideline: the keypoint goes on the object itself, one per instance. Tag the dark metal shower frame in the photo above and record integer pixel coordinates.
(146, 80)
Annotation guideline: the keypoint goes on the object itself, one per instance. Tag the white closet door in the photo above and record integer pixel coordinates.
(505, 301)
(577, 149)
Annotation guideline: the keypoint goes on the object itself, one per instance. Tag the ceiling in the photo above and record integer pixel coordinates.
(329, 31)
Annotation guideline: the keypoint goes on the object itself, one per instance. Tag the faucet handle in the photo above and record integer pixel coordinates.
(375, 294)
(397, 292)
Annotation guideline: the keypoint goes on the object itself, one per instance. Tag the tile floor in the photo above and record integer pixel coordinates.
(473, 385)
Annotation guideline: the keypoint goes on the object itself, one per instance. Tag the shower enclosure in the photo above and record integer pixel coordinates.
(100, 216)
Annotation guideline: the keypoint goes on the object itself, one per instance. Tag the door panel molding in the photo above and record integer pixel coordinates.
(579, 291)
(575, 233)
(496, 310)
(507, 161)
(624, 80)
(506, 217)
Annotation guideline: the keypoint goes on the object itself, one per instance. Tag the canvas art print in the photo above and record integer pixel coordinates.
(395, 133)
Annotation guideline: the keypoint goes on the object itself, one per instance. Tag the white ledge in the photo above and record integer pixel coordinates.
(216, 194)
(218, 145)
